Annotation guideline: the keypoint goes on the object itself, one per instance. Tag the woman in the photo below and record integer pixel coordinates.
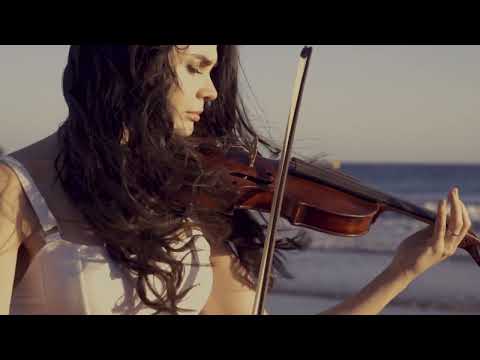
(98, 217)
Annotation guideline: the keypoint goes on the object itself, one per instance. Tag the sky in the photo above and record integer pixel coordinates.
(414, 104)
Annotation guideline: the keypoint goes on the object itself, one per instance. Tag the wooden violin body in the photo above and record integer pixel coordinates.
(316, 197)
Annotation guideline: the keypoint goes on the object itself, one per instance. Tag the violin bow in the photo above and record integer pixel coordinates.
(282, 172)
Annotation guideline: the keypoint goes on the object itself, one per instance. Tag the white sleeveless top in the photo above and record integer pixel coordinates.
(75, 279)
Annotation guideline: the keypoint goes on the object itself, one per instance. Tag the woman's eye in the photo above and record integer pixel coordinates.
(193, 70)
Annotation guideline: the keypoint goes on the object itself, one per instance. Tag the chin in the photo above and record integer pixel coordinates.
(184, 132)
(184, 127)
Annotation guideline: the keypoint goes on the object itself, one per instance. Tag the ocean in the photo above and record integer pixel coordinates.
(333, 267)
(422, 185)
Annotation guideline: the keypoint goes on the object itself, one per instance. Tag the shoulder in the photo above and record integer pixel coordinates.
(15, 225)
(17, 218)
(8, 179)
(11, 192)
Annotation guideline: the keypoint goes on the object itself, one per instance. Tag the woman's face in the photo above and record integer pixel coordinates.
(193, 65)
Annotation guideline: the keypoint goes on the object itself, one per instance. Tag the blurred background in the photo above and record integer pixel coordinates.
(403, 119)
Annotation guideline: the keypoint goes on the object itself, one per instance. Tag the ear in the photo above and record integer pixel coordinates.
(125, 136)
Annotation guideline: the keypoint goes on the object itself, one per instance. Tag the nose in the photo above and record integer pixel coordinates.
(208, 92)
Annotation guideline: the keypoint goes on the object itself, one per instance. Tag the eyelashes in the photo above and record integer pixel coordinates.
(193, 70)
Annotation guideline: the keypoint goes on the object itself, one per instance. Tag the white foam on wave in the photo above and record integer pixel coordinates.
(384, 236)
(473, 209)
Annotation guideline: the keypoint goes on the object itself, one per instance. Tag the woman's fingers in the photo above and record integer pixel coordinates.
(440, 225)
(455, 225)
(458, 225)
(467, 224)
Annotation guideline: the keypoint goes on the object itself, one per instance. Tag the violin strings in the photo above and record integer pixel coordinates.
(349, 182)
(336, 178)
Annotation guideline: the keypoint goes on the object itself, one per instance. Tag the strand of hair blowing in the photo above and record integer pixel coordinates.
(127, 191)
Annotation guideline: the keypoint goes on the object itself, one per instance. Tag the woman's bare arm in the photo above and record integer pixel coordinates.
(231, 293)
(373, 298)
(17, 222)
(233, 296)
(416, 254)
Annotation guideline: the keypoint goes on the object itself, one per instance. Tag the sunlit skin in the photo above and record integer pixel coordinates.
(231, 294)
(193, 65)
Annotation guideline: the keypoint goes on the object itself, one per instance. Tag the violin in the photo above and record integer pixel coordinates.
(316, 197)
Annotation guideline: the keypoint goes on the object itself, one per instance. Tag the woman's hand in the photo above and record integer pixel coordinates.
(430, 246)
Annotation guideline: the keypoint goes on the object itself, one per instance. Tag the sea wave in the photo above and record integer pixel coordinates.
(473, 209)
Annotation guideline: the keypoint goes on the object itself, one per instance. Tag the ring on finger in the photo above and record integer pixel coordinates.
(451, 233)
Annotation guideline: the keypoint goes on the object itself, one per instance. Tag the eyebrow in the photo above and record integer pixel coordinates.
(205, 61)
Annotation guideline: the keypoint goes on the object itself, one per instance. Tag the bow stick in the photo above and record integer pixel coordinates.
(268, 251)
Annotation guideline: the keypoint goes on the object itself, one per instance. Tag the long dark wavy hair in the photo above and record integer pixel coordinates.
(128, 190)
